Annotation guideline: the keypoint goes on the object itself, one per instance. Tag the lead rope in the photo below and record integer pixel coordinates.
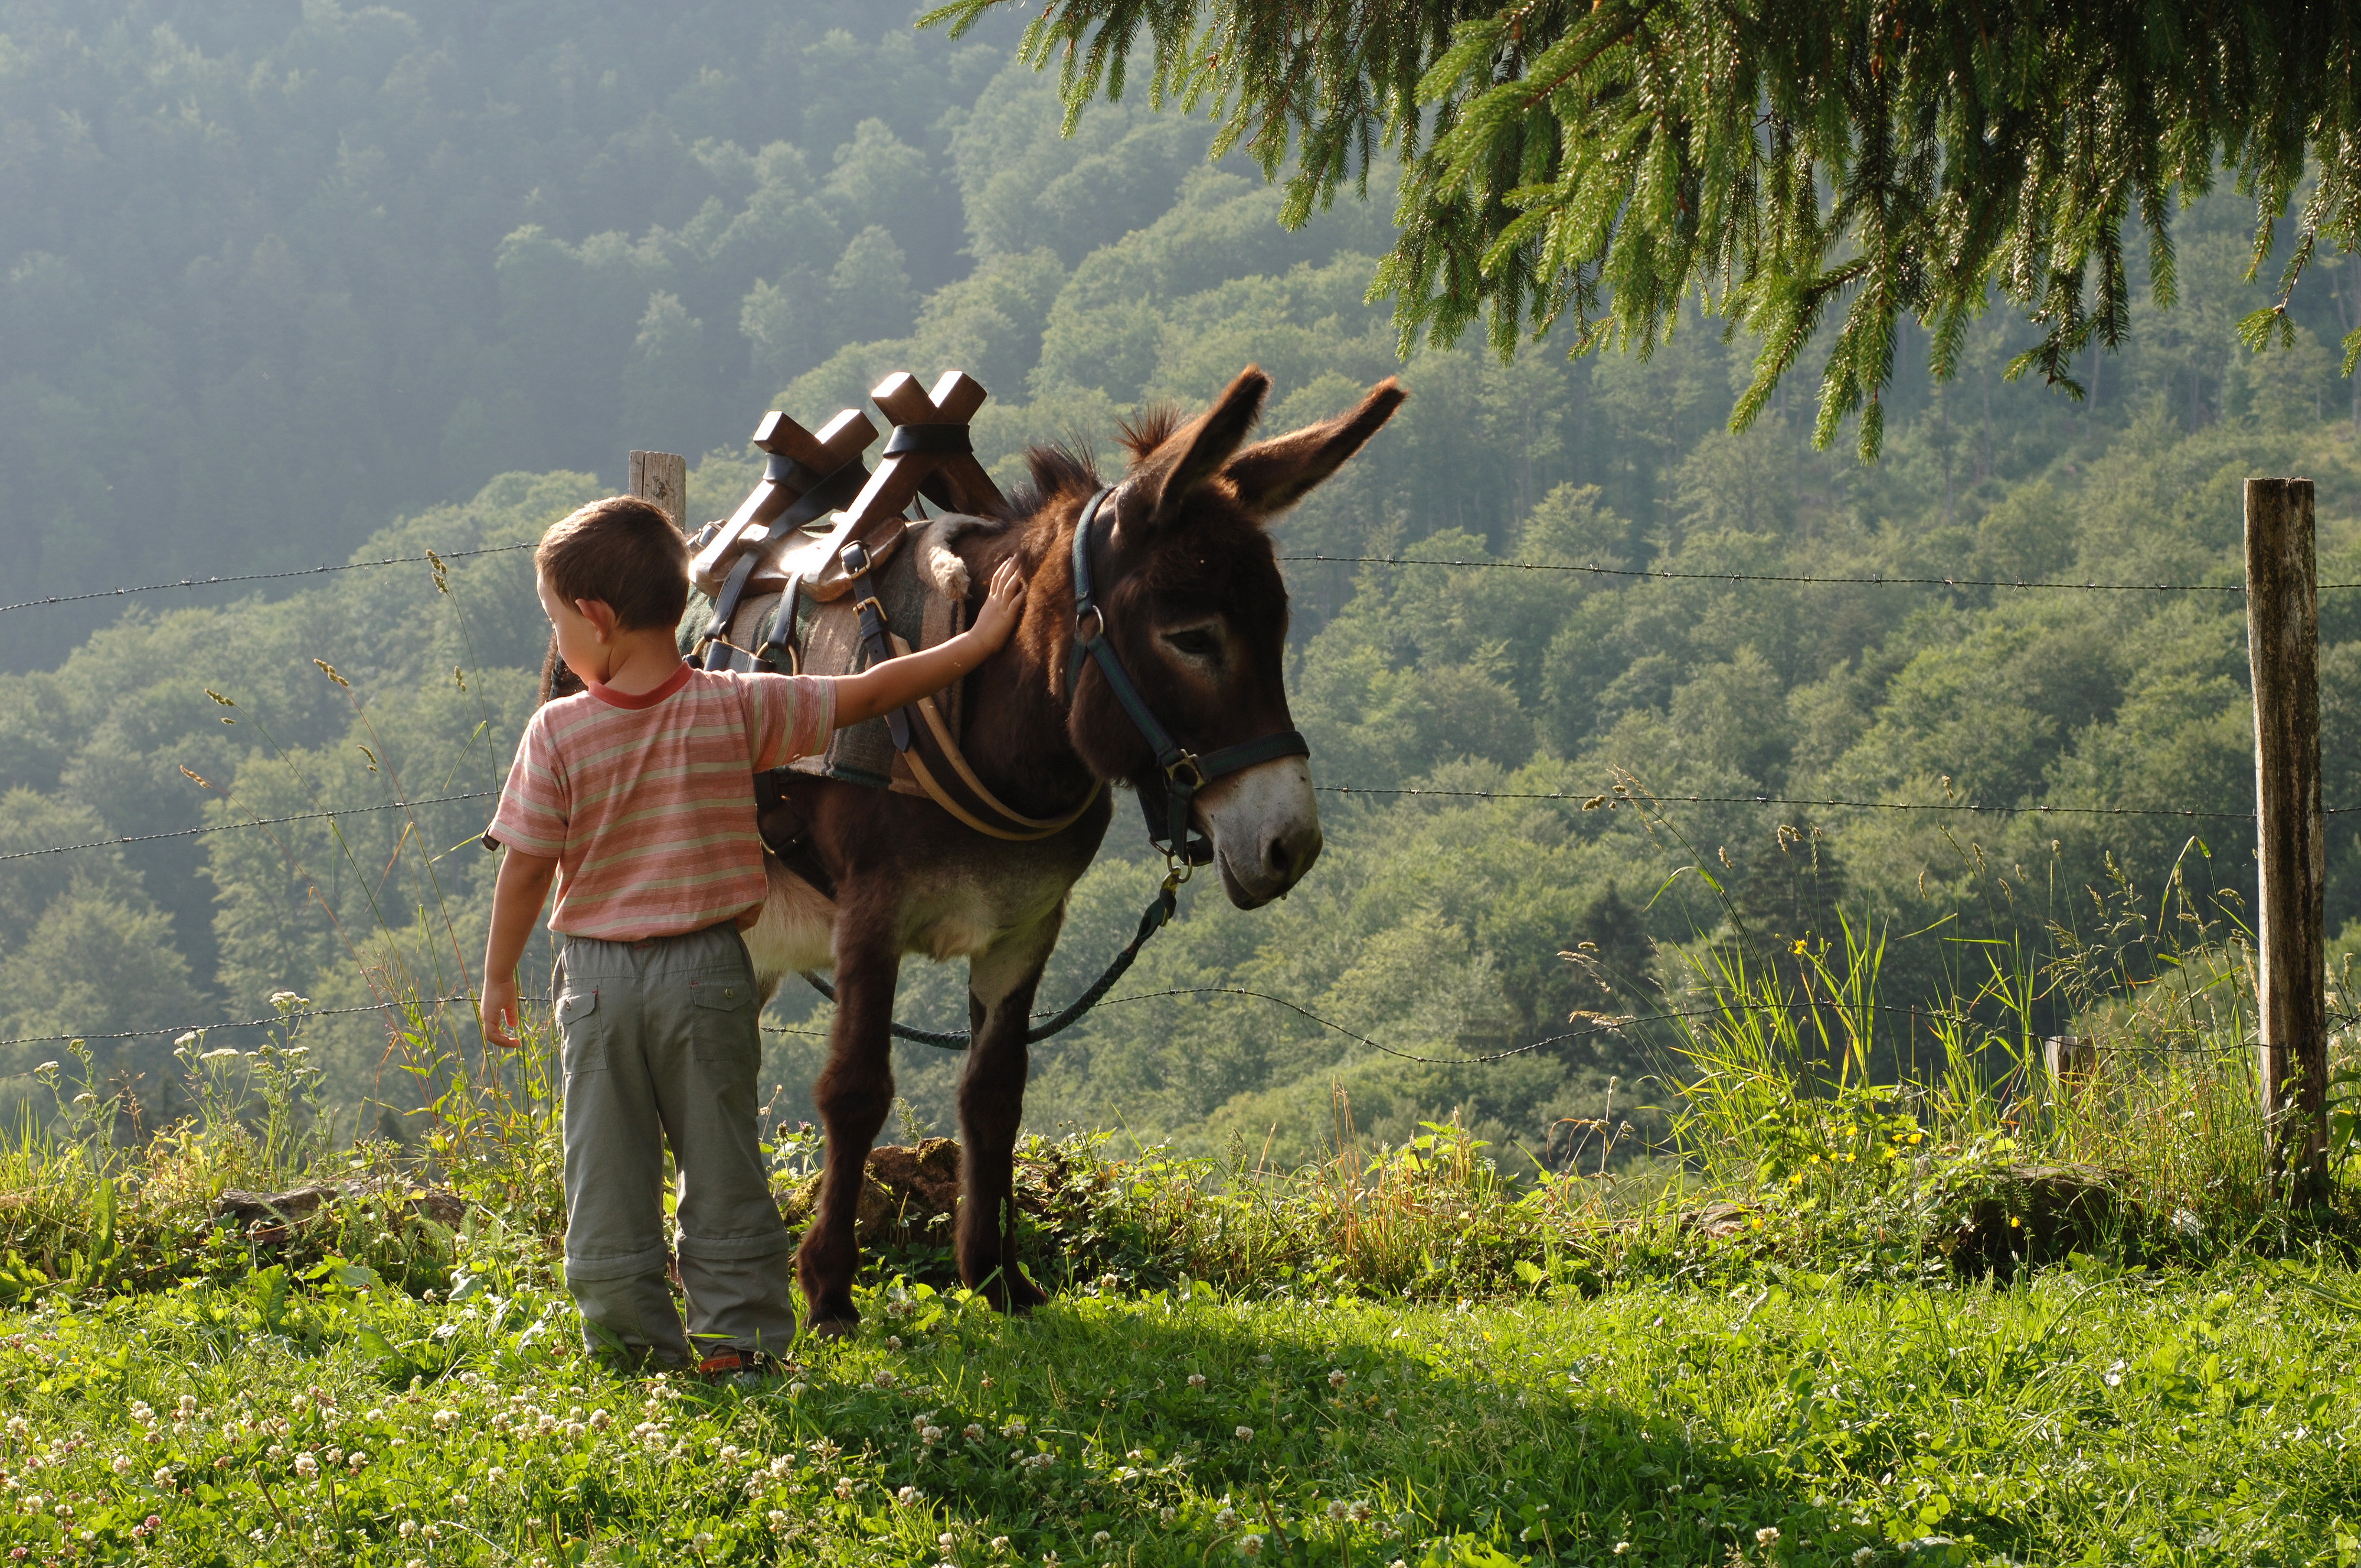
(1157, 914)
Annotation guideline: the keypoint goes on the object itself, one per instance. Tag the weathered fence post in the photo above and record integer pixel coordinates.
(2283, 649)
(663, 478)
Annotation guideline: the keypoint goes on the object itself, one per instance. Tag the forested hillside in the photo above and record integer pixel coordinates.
(368, 282)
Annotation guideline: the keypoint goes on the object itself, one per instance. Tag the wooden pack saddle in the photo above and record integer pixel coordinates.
(821, 570)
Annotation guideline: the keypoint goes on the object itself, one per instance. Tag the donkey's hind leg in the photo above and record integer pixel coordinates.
(1001, 985)
(854, 1092)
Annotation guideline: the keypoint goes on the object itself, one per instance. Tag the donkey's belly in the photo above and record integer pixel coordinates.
(957, 914)
(796, 930)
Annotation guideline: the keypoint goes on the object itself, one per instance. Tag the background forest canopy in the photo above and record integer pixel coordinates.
(273, 278)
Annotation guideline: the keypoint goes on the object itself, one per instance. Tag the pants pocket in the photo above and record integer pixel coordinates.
(581, 1033)
(724, 1019)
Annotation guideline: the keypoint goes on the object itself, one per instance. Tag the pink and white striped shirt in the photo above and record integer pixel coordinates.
(646, 802)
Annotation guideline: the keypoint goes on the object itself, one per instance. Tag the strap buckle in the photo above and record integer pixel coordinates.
(1195, 780)
(854, 558)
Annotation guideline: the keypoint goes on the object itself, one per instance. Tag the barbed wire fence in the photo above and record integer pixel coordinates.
(1613, 798)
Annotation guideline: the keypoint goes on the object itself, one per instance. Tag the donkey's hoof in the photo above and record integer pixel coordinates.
(835, 1328)
(1015, 1296)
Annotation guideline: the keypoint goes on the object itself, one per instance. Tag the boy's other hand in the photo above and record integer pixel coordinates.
(500, 1015)
(1002, 605)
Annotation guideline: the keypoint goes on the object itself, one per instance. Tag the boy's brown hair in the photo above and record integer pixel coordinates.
(624, 550)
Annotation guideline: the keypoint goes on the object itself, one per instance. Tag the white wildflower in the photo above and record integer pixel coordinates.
(306, 1466)
(1251, 1545)
(1767, 1536)
(1245, 1434)
(1339, 1377)
(1196, 1380)
(906, 1495)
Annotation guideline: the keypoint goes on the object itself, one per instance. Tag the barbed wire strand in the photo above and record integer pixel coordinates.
(1643, 572)
(1662, 575)
(1609, 801)
(1800, 800)
(263, 576)
(248, 822)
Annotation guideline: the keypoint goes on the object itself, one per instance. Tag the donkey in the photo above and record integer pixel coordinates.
(1188, 593)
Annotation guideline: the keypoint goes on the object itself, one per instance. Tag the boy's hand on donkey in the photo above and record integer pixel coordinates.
(500, 1016)
(1002, 605)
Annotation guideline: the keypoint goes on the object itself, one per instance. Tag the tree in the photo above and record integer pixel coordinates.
(1789, 162)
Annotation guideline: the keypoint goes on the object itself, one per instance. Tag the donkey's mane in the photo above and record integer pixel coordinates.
(1052, 472)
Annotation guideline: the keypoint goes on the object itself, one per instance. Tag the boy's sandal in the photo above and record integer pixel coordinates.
(735, 1363)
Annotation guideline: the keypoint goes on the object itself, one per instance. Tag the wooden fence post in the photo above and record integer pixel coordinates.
(663, 478)
(2283, 649)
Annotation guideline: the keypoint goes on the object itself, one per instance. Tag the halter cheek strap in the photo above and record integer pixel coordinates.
(1180, 774)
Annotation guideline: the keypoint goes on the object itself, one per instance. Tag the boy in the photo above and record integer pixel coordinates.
(637, 795)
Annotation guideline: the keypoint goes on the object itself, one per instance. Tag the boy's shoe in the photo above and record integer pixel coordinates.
(740, 1368)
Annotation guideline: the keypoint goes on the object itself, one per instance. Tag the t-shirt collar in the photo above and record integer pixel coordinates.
(613, 698)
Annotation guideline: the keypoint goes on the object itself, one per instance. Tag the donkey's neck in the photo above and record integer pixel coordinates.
(1013, 709)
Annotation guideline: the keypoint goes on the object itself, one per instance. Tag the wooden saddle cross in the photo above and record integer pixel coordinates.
(797, 532)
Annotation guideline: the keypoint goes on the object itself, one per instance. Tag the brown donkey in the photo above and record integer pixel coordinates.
(1192, 601)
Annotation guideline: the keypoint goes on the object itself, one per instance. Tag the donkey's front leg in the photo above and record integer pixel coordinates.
(1000, 984)
(854, 1092)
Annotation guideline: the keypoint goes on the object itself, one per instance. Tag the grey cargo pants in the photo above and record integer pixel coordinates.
(662, 1041)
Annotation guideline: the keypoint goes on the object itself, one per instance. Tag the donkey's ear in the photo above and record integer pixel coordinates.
(1272, 476)
(1155, 490)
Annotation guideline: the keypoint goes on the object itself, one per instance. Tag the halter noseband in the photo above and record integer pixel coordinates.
(1181, 773)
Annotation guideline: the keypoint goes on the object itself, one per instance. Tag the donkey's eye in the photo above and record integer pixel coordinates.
(1195, 643)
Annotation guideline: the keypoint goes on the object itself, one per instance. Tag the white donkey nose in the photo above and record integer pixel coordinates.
(1288, 853)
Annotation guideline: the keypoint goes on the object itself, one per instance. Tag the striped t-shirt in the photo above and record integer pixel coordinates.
(646, 802)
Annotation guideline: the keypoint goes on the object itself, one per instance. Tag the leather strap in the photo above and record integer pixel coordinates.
(876, 638)
(824, 495)
(935, 440)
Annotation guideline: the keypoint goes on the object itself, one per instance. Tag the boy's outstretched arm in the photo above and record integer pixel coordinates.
(896, 683)
(517, 898)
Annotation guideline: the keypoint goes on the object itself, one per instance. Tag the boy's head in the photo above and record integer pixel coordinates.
(623, 552)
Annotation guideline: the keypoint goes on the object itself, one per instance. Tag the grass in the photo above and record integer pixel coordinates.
(1838, 1323)
(2090, 1418)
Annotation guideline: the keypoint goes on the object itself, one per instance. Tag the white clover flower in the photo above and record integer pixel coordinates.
(794, 1390)
(1014, 1427)
(446, 1419)
(572, 1431)
(1245, 1434)
(1251, 1545)
(142, 1413)
(1359, 1513)
(882, 1378)
(1339, 1377)
(946, 1540)
(1623, 1547)
(495, 1476)
(931, 1436)
(407, 1528)
(1101, 1539)
(306, 1466)
(601, 1420)
(999, 1544)
(777, 1520)
(1226, 1519)
(1863, 1556)
(1337, 1511)
(893, 1342)
(1196, 1380)
(122, 1465)
(972, 1432)
(333, 1455)
(1167, 1513)
(1767, 1536)
(906, 1495)
(357, 1462)
(844, 1488)
(782, 1464)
